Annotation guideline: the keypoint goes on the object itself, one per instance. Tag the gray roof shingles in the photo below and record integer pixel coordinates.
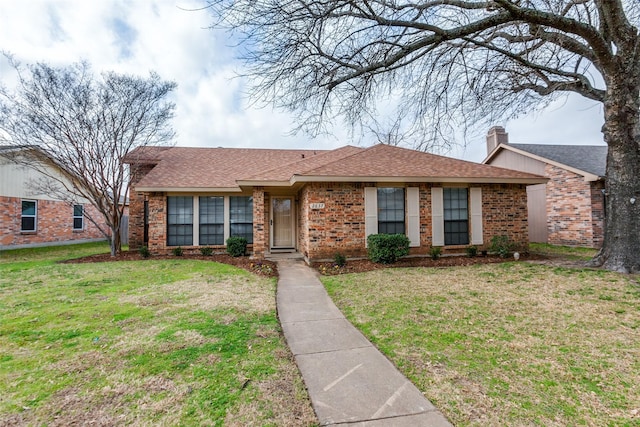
(587, 158)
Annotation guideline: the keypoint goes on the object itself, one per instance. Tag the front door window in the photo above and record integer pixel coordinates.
(283, 231)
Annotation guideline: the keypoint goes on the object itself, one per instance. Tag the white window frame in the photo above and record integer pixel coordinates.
(34, 216)
(475, 216)
(196, 217)
(81, 217)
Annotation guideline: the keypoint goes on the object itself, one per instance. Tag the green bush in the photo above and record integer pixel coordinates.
(435, 252)
(501, 245)
(206, 251)
(387, 248)
(339, 259)
(236, 246)
(472, 251)
(177, 251)
(144, 252)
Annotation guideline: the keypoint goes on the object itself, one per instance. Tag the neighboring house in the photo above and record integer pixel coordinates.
(320, 203)
(569, 208)
(31, 219)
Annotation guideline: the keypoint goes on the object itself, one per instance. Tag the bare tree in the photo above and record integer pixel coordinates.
(451, 63)
(84, 126)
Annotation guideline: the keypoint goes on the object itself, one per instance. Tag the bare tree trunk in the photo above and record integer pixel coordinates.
(116, 241)
(621, 248)
(116, 221)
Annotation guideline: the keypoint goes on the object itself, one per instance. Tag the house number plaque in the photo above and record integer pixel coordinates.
(317, 205)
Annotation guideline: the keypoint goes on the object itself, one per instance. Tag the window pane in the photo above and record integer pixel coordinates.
(28, 223)
(241, 217)
(242, 230)
(179, 220)
(77, 223)
(456, 216)
(28, 220)
(212, 234)
(211, 220)
(241, 209)
(77, 217)
(28, 208)
(391, 211)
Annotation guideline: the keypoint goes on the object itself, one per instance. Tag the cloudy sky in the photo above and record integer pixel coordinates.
(172, 38)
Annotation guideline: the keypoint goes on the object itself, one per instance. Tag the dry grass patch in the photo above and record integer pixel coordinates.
(507, 344)
(174, 342)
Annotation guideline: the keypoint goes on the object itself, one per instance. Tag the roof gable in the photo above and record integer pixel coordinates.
(589, 161)
(587, 158)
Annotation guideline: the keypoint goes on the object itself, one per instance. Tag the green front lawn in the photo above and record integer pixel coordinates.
(172, 342)
(508, 344)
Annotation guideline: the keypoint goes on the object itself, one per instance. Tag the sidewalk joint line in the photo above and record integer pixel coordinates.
(351, 371)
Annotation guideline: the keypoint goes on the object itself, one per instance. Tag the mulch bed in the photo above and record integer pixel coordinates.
(358, 266)
(270, 269)
(260, 267)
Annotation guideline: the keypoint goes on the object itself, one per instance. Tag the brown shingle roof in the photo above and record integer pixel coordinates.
(225, 168)
(183, 167)
(389, 161)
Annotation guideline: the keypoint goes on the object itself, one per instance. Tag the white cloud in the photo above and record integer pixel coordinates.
(172, 38)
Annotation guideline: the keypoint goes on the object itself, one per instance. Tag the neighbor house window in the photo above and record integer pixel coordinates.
(78, 217)
(391, 211)
(456, 216)
(241, 217)
(29, 212)
(212, 220)
(179, 220)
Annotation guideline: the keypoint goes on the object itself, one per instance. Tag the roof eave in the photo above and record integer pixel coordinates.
(160, 189)
(470, 180)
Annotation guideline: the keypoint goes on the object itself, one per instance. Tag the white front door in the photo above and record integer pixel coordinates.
(282, 223)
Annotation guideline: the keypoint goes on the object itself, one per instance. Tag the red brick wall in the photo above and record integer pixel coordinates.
(260, 236)
(504, 212)
(570, 219)
(157, 222)
(54, 223)
(597, 213)
(136, 208)
(339, 227)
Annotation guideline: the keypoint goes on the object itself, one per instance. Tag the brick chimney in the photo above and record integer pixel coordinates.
(496, 136)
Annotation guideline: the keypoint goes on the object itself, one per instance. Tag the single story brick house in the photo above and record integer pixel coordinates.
(569, 208)
(319, 203)
(29, 218)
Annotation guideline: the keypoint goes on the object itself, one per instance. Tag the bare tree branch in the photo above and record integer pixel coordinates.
(79, 129)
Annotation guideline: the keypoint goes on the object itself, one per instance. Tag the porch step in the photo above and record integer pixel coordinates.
(278, 256)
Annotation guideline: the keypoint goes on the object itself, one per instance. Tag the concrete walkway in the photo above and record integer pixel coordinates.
(349, 381)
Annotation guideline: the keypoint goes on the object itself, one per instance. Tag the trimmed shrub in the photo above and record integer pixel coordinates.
(339, 259)
(501, 245)
(472, 251)
(387, 248)
(236, 246)
(435, 252)
(177, 251)
(144, 252)
(206, 251)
